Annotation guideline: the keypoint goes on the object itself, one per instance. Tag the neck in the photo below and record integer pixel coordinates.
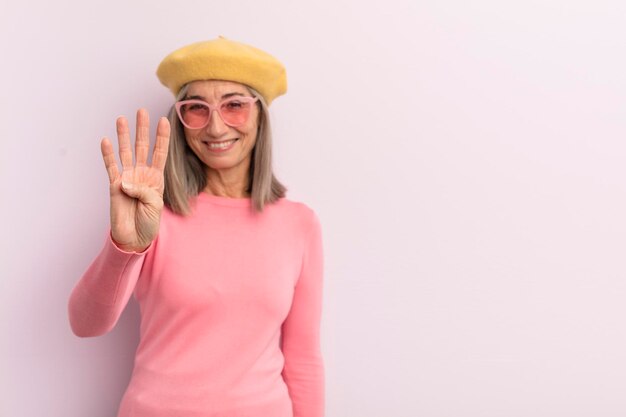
(227, 183)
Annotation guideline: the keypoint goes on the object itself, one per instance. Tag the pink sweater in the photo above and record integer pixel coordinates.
(230, 305)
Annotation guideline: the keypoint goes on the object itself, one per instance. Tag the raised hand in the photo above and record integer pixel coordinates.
(136, 192)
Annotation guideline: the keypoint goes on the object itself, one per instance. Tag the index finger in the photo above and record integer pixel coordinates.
(161, 147)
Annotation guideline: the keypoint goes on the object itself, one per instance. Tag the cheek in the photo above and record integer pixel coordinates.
(251, 139)
(250, 133)
(253, 128)
(192, 137)
(193, 143)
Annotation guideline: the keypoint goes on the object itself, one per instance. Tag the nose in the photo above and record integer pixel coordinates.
(216, 126)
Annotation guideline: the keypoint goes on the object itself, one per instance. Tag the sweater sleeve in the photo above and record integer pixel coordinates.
(304, 369)
(100, 296)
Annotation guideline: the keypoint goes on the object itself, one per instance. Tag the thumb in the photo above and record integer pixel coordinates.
(138, 191)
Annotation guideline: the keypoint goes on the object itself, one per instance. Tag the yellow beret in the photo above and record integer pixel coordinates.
(224, 59)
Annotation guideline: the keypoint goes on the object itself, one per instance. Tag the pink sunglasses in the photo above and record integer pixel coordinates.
(195, 114)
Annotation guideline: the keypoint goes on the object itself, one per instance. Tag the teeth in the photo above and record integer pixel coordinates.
(222, 145)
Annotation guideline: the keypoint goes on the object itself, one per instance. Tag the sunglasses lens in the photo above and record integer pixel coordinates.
(235, 112)
(194, 115)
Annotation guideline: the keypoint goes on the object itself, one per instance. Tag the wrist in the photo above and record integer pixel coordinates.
(133, 248)
(129, 248)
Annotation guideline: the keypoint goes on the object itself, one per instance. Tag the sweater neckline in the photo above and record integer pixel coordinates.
(224, 201)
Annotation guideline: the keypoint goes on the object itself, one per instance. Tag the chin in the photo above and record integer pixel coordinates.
(222, 163)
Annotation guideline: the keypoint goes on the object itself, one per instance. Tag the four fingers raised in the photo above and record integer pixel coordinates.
(142, 145)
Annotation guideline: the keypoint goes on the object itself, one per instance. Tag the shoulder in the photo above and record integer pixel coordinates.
(297, 207)
(303, 213)
(168, 215)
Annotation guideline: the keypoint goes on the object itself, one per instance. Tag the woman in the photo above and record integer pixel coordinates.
(227, 271)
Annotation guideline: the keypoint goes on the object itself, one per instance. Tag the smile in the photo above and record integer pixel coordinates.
(221, 146)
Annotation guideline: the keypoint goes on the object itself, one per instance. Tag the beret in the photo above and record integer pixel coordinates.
(224, 59)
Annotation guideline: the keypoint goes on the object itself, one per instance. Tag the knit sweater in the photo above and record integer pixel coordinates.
(230, 304)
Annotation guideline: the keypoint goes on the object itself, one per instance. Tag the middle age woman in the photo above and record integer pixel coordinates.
(227, 271)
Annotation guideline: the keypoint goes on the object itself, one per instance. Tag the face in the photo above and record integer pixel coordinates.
(235, 157)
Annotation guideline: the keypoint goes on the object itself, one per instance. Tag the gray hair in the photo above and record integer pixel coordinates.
(185, 174)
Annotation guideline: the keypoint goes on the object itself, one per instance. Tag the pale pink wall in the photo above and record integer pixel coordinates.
(466, 160)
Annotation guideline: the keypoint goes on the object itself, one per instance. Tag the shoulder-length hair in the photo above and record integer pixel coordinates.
(185, 174)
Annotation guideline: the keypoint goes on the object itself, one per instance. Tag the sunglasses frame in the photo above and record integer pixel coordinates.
(212, 108)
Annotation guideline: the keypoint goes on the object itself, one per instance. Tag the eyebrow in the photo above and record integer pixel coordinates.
(198, 97)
